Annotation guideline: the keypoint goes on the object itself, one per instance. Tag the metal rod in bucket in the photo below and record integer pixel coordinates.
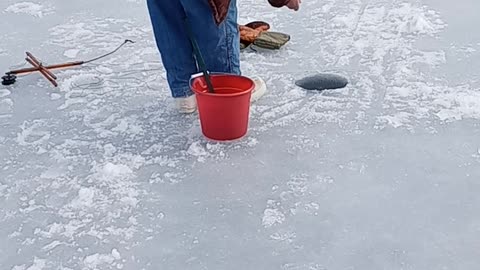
(198, 56)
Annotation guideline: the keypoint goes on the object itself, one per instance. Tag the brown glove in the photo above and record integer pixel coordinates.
(250, 32)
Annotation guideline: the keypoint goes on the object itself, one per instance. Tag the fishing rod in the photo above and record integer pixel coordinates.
(11, 76)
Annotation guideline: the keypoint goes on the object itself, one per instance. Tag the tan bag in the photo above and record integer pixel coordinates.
(271, 40)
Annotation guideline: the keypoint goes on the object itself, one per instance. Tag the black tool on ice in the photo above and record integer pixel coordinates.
(9, 79)
(199, 57)
(322, 81)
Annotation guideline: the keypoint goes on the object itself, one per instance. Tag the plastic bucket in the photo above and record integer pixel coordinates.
(224, 115)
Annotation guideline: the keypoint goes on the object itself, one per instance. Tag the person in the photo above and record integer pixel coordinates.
(214, 23)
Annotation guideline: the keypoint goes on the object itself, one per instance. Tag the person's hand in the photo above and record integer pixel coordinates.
(294, 4)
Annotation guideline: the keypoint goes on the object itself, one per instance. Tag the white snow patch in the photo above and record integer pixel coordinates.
(109, 150)
(459, 104)
(38, 264)
(104, 70)
(287, 236)
(168, 177)
(54, 228)
(312, 208)
(84, 199)
(122, 126)
(415, 21)
(72, 33)
(67, 84)
(72, 227)
(397, 120)
(31, 133)
(116, 254)
(421, 25)
(433, 58)
(272, 217)
(95, 260)
(344, 20)
(4, 93)
(111, 170)
(71, 53)
(55, 96)
(30, 8)
(6, 106)
(197, 150)
(51, 173)
(327, 7)
(2, 189)
(252, 141)
(400, 91)
(51, 246)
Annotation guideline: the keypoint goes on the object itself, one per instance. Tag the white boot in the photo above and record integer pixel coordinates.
(186, 104)
(259, 90)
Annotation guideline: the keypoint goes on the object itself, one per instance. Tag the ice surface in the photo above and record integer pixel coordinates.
(102, 173)
(29, 8)
(72, 53)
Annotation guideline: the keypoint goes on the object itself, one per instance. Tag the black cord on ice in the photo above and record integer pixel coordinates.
(110, 53)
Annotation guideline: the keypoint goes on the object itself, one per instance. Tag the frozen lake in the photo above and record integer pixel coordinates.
(102, 173)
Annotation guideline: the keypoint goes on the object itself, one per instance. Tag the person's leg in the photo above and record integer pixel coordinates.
(176, 51)
(233, 37)
(219, 45)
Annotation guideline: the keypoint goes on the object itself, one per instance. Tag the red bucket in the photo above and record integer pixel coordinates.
(224, 115)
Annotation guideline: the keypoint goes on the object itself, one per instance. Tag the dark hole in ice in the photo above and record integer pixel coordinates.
(322, 81)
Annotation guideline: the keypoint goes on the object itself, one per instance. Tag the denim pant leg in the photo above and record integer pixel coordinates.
(219, 45)
(233, 38)
(167, 18)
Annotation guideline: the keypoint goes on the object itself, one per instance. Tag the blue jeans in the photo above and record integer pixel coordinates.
(219, 45)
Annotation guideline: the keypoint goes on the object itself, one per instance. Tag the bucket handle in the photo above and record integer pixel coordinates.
(200, 74)
(198, 55)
